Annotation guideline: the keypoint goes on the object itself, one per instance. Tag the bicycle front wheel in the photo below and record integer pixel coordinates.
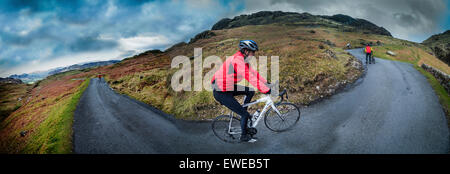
(288, 116)
(227, 128)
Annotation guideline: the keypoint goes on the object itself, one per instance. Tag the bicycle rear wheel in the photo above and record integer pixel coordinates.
(290, 114)
(227, 128)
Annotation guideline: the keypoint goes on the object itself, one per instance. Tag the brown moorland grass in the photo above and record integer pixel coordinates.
(48, 104)
(12, 97)
(304, 68)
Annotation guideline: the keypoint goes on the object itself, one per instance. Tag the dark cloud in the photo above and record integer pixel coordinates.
(39, 5)
(406, 19)
(43, 31)
(91, 44)
(13, 39)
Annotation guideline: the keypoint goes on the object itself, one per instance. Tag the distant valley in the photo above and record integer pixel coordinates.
(39, 75)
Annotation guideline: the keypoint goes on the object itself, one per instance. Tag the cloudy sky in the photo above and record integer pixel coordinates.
(43, 34)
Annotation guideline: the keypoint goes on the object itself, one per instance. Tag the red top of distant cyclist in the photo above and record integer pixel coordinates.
(368, 49)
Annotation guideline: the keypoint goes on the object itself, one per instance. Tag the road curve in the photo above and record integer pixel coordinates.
(392, 109)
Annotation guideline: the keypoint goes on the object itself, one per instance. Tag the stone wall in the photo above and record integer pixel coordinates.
(442, 77)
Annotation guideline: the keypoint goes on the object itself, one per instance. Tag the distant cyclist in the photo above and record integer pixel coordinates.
(368, 51)
(225, 80)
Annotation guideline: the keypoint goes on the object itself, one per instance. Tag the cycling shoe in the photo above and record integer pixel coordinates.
(247, 138)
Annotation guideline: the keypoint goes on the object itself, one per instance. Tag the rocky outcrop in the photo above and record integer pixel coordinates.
(379, 43)
(203, 35)
(10, 80)
(440, 44)
(390, 53)
(270, 17)
(359, 24)
(443, 78)
(262, 18)
(442, 52)
(151, 52)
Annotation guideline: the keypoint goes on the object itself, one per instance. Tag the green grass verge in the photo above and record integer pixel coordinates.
(54, 134)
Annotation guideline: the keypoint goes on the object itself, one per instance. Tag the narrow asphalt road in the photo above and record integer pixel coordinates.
(392, 109)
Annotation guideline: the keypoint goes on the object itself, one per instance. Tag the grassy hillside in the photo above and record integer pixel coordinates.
(311, 68)
(416, 55)
(308, 67)
(12, 97)
(44, 123)
(440, 44)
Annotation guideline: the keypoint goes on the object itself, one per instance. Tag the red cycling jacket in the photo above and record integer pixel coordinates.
(232, 72)
(368, 49)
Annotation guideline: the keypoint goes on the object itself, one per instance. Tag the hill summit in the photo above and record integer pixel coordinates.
(440, 44)
(270, 17)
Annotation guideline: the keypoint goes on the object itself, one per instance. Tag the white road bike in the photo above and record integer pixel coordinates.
(278, 117)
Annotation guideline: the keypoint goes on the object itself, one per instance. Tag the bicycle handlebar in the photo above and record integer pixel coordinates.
(281, 94)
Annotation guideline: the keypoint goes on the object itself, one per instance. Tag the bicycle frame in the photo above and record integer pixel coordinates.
(269, 103)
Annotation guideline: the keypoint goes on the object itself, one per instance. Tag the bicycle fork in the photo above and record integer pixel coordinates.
(277, 111)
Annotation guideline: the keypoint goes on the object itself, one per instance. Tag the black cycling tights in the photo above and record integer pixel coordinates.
(227, 99)
(369, 57)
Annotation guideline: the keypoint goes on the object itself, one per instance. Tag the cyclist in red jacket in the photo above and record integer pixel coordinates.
(368, 51)
(225, 80)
